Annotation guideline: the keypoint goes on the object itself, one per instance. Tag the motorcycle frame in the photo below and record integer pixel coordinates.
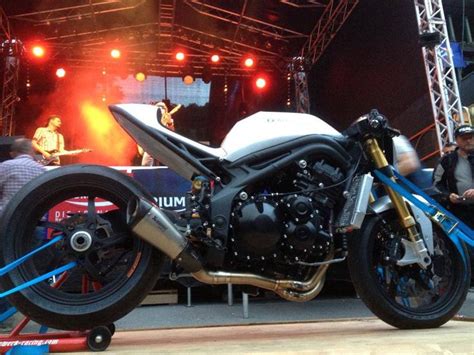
(190, 159)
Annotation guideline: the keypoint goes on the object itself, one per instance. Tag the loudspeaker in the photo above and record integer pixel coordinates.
(5, 143)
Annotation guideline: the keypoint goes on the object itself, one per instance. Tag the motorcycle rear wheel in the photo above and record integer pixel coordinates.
(113, 275)
(406, 297)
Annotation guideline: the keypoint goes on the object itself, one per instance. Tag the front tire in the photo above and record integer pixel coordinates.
(407, 297)
(114, 271)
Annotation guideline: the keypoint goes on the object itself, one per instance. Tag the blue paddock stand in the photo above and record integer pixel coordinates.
(14, 264)
(7, 268)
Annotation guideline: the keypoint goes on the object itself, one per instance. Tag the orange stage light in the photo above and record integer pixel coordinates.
(140, 76)
(215, 58)
(115, 53)
(180, 56)
(38, 51)
(60, 72)
(188, 79)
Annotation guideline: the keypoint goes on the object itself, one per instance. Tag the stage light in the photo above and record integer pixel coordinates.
(215, 58)
(188, 79)
(249, 62)
(38, 51)
(180, 56)
(60, 72)
(140, 76)
(115, 53)
(260, 81)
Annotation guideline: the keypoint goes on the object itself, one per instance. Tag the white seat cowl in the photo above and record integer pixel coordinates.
(147, 114)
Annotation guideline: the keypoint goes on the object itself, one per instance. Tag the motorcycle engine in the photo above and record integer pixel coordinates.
(287, 221)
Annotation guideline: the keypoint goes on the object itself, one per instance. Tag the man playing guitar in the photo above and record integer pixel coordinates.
(48, 142)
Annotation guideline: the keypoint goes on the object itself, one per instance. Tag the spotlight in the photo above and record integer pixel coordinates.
(187, 74)
(140, 76)
(38, 51)
(188, 79)
(249, 62)
(60, 72)
(215, 58)
(261, 81)
(115, 53)
(180, 56)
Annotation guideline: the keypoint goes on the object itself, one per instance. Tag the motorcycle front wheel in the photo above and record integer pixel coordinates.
(406, 297)
(85, 206)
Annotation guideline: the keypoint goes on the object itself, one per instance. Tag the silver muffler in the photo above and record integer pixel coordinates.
(151, 224)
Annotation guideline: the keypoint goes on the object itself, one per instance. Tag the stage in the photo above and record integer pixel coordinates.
(368, 336)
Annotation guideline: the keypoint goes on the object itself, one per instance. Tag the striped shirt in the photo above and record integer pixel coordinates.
(49, 140)
(15, 173)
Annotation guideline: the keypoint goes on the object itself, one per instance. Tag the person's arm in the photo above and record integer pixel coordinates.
(34, 142)
(175, 109)
(61, 143)
(440, 183)
(407, 163)
(469, 194)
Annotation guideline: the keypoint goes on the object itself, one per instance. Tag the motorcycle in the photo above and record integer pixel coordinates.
(284, 197)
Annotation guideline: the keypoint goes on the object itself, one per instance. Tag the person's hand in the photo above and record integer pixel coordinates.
(469, 194)
(47, 155)
(454, 198)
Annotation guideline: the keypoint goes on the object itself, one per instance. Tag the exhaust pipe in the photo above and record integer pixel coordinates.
(151, 224)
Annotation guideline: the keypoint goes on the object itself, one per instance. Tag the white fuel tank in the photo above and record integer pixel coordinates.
(265, 129)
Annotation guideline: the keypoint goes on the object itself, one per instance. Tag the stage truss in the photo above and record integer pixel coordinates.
(440, 71)
(161, 34)
(10, 52)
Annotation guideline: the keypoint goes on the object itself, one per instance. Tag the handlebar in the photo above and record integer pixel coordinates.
(372, 124)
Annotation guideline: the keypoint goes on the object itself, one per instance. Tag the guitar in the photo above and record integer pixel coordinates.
(55, 155)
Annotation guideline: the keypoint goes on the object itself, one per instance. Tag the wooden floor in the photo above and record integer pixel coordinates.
(367, 336)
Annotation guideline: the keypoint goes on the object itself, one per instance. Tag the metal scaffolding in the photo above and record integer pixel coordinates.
(10, 52)
(440, 72)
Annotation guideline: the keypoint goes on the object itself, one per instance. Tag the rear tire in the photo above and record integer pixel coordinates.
(112, 277)
(406, 297)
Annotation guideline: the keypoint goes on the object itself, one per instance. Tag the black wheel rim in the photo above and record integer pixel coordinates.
(411, 288)
(103, 269)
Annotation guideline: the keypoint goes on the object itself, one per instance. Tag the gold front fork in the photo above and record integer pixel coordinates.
(408, 222)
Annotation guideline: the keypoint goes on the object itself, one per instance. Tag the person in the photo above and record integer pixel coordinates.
(167, 121)
(448, 148)
(47, 141)
(14, 174)
(453, 176)
(408, 164)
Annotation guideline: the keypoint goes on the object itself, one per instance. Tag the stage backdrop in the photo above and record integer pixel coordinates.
(167, 187)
